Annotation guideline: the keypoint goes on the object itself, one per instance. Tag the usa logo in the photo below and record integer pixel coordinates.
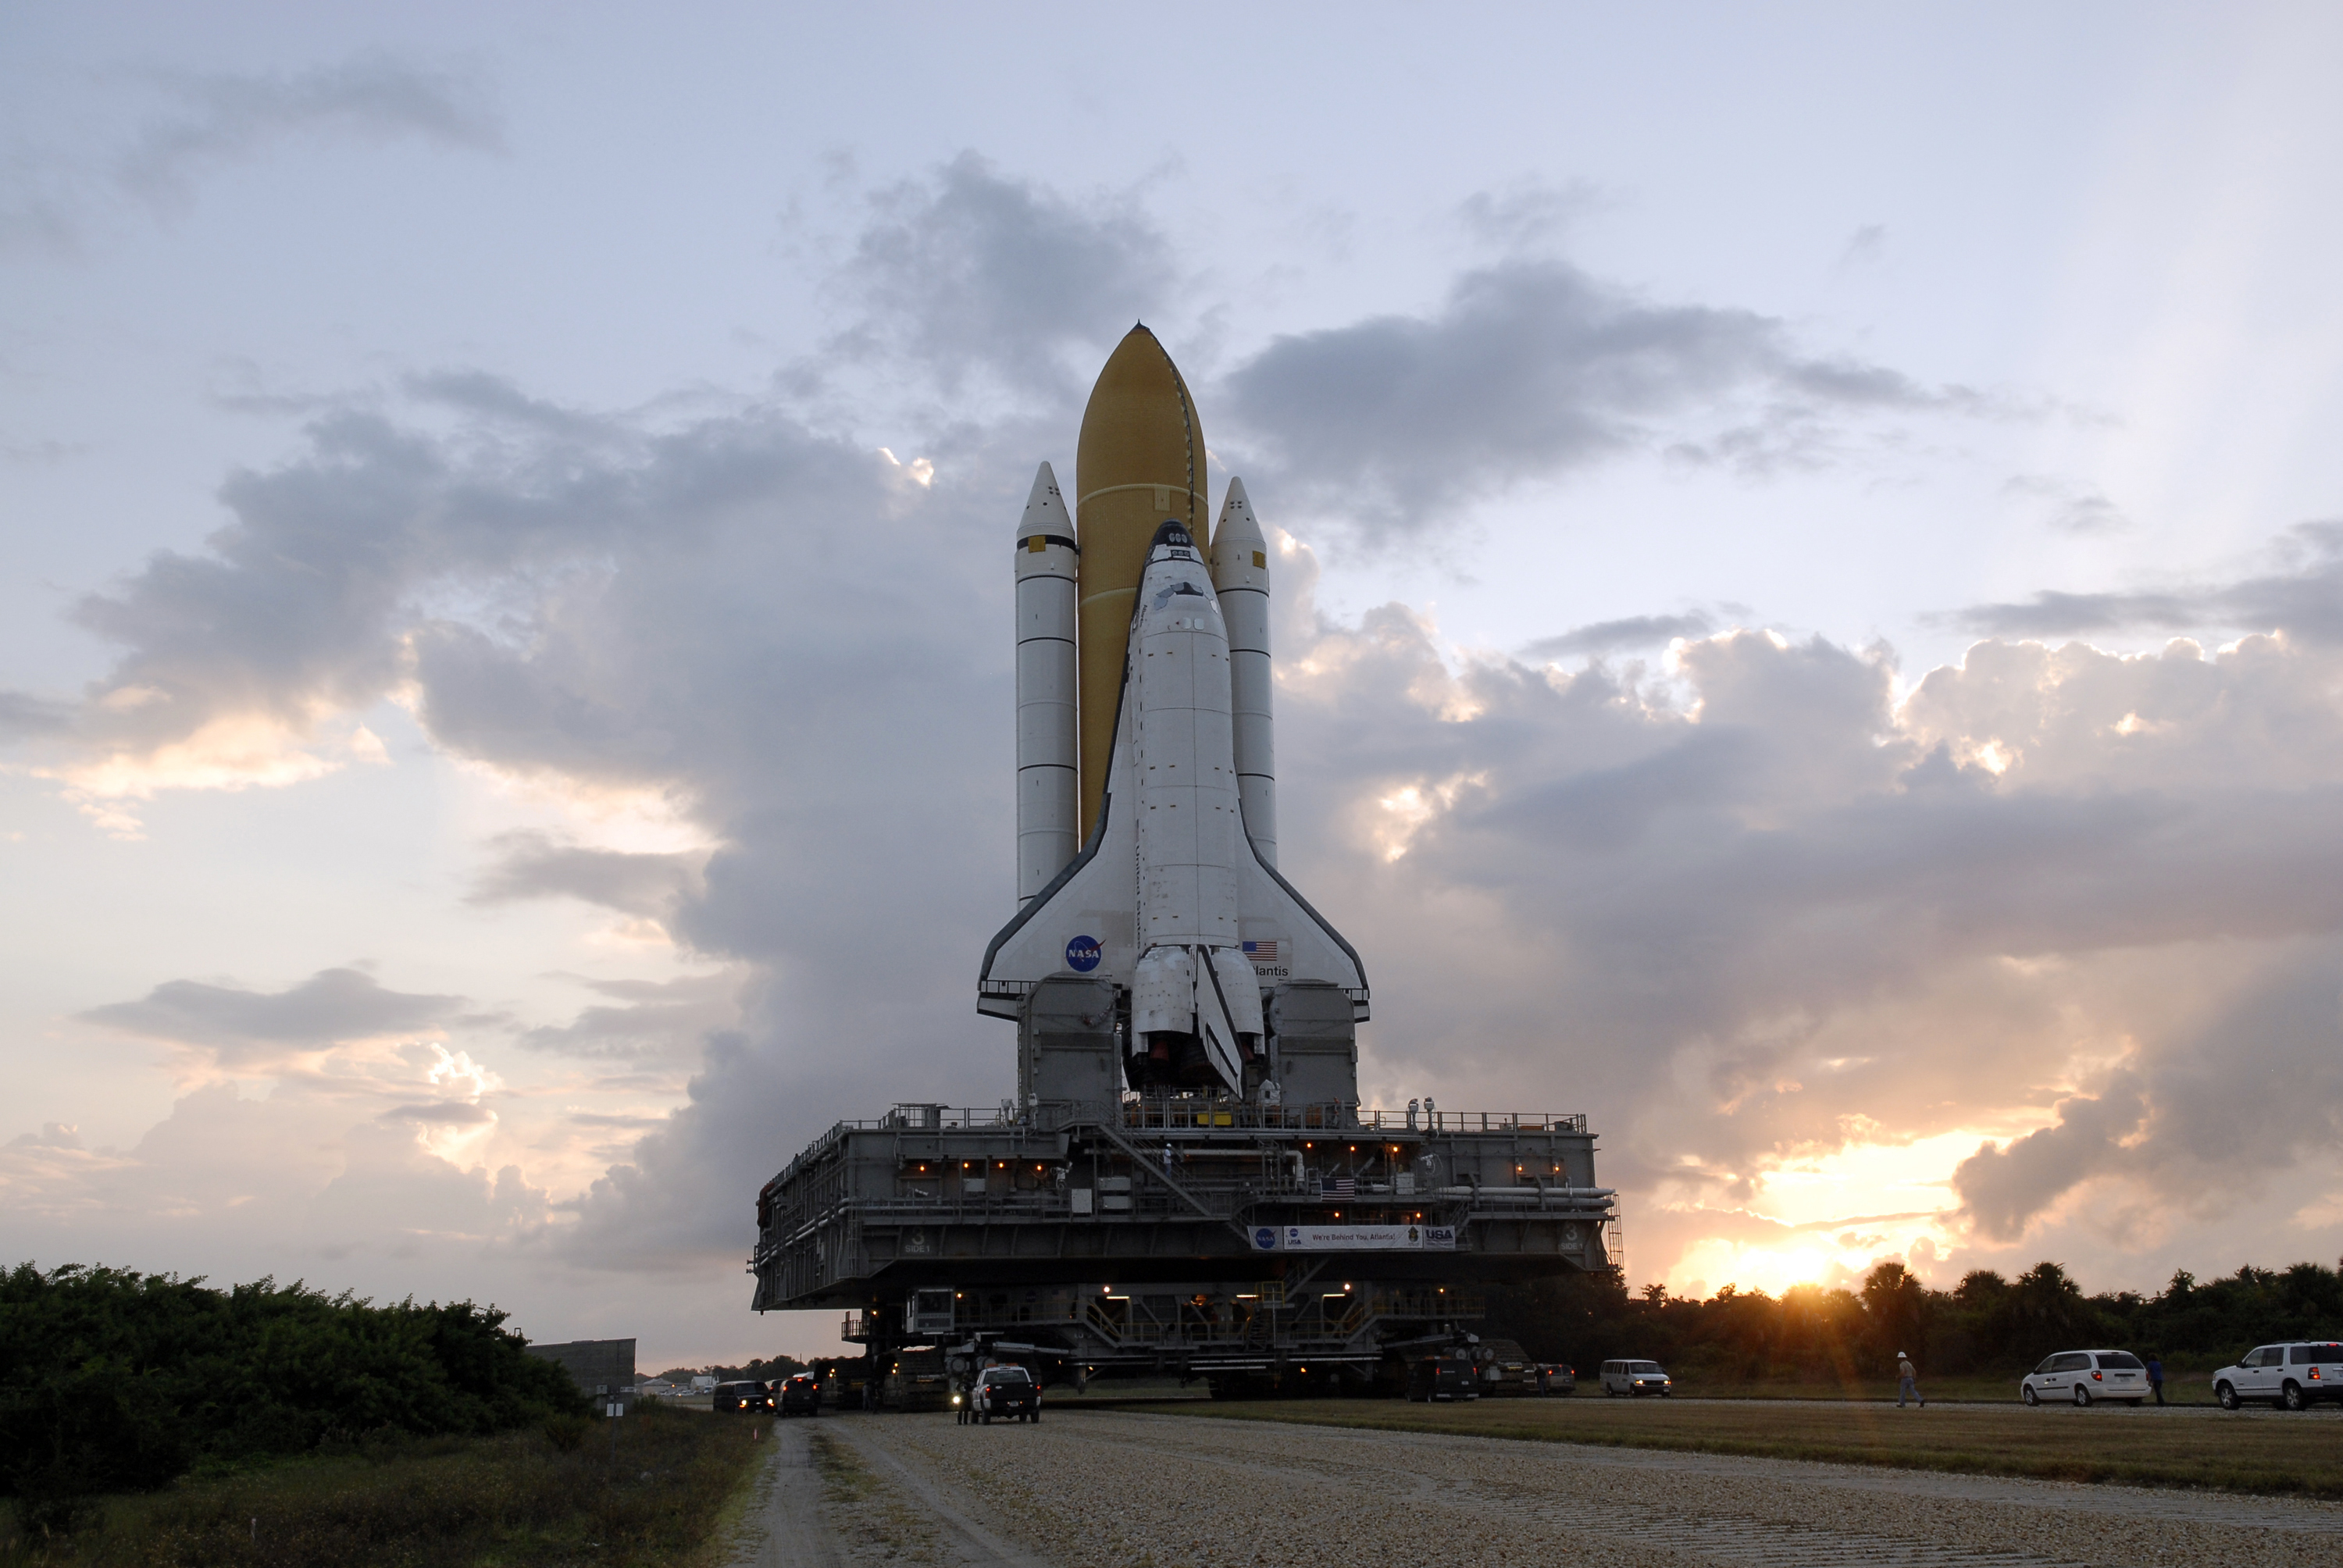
(1082, 954)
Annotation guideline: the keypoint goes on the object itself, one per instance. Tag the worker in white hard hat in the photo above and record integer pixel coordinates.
(1908, 1385)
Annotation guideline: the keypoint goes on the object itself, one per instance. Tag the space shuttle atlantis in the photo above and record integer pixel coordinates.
(1146, 784)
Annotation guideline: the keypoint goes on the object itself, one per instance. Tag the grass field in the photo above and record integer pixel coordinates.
(2253, 1450)
(655, 1487)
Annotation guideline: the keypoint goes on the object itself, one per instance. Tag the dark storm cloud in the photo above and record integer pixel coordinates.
(331, 1005)
(972, 272)
(1530, 369)
(2305, 598)
(373, 95)
(1634, 631)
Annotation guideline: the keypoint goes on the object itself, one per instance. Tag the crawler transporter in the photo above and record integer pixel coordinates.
(1185, 1182)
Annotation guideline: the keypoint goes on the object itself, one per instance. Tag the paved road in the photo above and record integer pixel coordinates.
(1120, 1489)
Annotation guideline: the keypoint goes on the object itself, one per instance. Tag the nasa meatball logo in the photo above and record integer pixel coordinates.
(1082, 954)
(1265, 1238)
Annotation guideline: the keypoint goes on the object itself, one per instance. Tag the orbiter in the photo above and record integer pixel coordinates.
(1146, 782)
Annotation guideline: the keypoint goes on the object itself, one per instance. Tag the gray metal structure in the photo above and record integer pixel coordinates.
(1088, 1230)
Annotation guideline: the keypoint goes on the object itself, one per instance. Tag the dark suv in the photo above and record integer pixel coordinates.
(753, 1397)
(1007, 1392)
(1443, 1377)
(799, 1394)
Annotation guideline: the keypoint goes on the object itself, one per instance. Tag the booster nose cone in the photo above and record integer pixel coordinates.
(1045, 511)
(1139, 461)
(1240, 551)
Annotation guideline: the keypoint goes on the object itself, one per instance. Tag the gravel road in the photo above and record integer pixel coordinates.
(1139, 1490)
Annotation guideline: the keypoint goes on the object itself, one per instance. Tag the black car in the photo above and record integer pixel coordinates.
(1009, 1392)
(753, 1397)
(799, 1394)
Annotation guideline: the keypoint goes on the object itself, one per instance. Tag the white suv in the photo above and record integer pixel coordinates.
(2083, 1376)
(2292, 1376)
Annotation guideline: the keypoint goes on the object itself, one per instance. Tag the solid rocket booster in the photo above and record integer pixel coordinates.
(1240, 575)
(1138, 460)
(1048, 752)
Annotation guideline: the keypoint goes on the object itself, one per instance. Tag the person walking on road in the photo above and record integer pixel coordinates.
(2155, 1375)
(1909, 1385)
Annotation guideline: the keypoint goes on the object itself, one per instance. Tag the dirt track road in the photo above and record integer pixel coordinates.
(1119, 1490)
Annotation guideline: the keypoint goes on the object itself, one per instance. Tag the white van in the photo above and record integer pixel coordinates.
(2083, 1376)
(2293, 1376)
(1634, 1378)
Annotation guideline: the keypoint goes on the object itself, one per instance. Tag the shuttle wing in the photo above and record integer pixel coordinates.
(1085, 923)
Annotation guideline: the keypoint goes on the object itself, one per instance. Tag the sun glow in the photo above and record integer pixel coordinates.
(1827, 1217)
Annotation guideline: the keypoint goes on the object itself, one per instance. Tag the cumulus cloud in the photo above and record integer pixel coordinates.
(1780, 911)
(1528, 370)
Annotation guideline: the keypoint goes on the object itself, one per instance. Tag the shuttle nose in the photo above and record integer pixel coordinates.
(1172, 534)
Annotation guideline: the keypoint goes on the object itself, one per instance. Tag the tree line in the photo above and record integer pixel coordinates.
(761, 1369)
(1987, 1325)
(113, 1381)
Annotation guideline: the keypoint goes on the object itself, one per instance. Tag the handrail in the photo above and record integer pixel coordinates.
(1182, 1113)
(1140, 1162)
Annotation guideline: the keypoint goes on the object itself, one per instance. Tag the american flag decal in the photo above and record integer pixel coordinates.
(1346, 1186)
(1261, 953)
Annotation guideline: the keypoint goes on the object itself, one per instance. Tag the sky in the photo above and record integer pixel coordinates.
(1809, 606)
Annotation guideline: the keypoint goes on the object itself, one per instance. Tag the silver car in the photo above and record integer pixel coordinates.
(2084, 1377)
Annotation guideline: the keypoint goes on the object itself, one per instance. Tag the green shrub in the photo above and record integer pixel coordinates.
(112, 1381)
